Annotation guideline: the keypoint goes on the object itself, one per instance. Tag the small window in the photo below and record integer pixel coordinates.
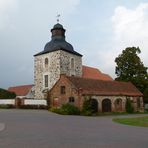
(63, 90)
(46, 62)
(46, 80)
(71, 99)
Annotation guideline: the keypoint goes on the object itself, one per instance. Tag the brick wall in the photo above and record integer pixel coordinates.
(56, 99)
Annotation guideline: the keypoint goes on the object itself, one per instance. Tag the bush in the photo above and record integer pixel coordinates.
(129, 108)
(66, 109)
(56, 110)
(70, 109)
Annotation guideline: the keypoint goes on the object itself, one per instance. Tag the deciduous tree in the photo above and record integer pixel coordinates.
(131, 68)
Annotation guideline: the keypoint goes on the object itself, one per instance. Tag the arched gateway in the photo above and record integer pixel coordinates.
(106, 105)
(94, 105)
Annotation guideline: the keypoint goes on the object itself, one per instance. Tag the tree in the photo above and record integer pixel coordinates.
(4, 94)
(145, 93)
(131, 68)
(128, 106)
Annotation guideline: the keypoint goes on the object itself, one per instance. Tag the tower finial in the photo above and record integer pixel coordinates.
(58, 17)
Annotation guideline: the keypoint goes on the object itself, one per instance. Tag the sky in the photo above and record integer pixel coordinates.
(98, 29)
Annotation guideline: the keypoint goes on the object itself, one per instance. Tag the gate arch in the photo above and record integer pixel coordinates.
(106, 105)
(94, 105)
(118, 105)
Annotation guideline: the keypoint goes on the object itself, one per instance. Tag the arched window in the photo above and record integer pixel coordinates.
(46, 62)
(118, 104)
(72, 63)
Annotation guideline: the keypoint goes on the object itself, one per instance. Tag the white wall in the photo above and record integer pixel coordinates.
(7, 101)
(35, 102)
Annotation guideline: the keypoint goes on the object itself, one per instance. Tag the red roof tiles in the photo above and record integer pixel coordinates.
(21, 90)
(94, 73)
(99, 87)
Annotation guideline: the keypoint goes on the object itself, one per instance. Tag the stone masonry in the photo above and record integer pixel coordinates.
(59, 63)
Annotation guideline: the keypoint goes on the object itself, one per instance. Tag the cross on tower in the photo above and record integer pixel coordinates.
(58, 16)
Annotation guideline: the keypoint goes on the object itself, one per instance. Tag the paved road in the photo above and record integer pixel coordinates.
(42, 129)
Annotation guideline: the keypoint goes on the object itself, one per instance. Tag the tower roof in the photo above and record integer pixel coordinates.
(58, 26)
(58, 42)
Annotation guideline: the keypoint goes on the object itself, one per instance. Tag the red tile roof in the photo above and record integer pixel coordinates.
(99, 87)
(94, 73)
(21, 90)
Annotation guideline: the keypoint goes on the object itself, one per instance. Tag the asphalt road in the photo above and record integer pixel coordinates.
(42, 129)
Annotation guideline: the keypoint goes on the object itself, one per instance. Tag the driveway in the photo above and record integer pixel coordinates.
(42, 129)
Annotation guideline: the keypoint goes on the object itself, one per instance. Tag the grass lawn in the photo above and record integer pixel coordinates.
(138, 121)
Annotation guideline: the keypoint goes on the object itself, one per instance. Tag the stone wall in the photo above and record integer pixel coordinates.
(65, 62)
(40, 70)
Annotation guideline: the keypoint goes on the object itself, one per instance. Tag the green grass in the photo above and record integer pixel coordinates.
(138, 121)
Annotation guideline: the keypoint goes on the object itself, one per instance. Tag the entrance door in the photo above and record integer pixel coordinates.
(56, 102)
(106, 105)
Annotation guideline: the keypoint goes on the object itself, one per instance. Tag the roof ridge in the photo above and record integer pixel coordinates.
(90, 79)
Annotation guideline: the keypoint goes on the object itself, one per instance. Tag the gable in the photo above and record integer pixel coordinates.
(63, 81)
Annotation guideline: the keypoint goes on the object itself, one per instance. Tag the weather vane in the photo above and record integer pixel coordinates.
(58, 17)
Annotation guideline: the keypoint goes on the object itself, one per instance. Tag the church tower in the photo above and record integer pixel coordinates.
(58, 57)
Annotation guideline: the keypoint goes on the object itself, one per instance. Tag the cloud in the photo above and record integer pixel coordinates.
(64, 8)
(7, 7)
(24, 27)
(130, 27)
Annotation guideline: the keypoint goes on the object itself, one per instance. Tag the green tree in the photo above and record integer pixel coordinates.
(131, 68)
(4, 94)
(146, 95)
(128, 106)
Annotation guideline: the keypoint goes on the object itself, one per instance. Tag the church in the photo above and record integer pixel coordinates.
(61, 77)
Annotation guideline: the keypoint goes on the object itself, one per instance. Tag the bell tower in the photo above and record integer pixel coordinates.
(58, 57)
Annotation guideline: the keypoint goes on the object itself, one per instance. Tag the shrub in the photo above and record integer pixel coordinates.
(56, 110)
(129, 108)
(6, 106)
(66, 109)
(86, 105)
(70, 109)
(33, 107)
